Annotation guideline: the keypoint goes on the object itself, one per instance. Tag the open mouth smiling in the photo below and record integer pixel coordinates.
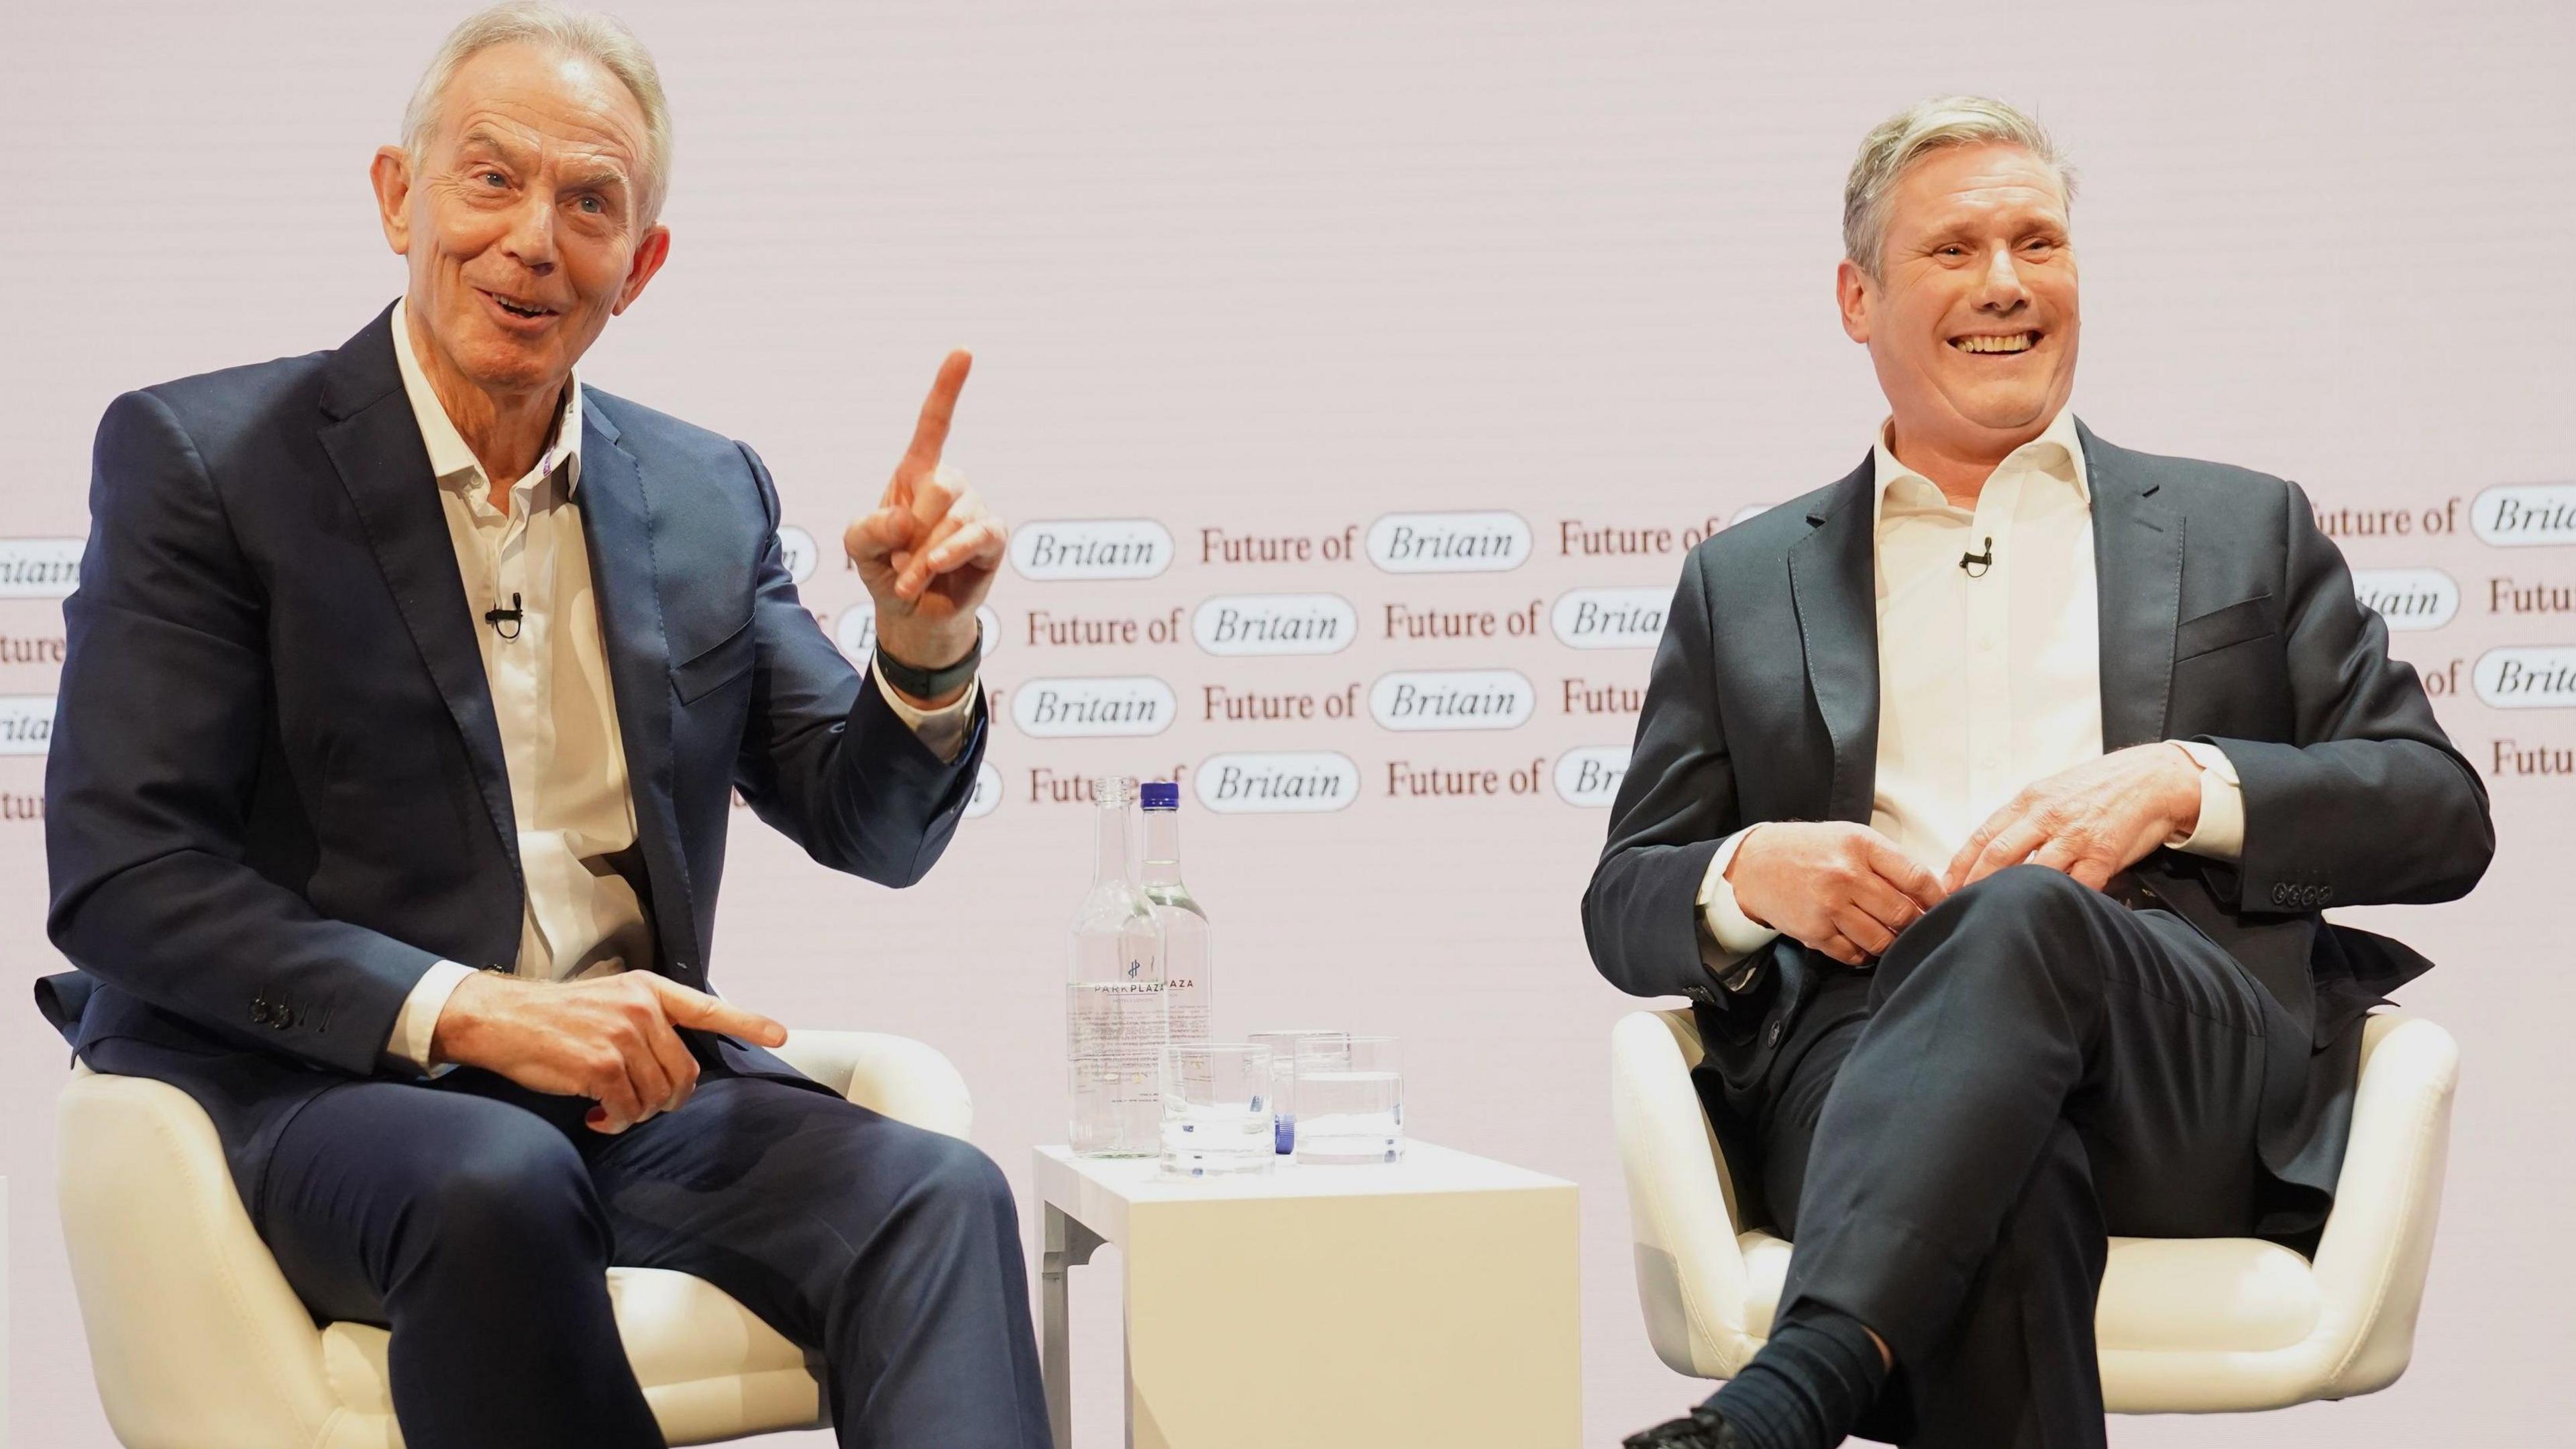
(1997, 343)
(530, 311)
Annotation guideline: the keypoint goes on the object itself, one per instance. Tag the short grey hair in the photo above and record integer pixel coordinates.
(1915, 132)
(584, 33)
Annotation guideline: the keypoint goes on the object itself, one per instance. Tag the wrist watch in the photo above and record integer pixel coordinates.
(922, 683)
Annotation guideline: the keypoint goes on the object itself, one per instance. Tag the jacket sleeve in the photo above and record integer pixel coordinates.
(2369, 803)
(1676, 803)
(828, 762)
(160, 737)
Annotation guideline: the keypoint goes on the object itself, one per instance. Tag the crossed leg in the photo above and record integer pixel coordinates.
(2036, 1067)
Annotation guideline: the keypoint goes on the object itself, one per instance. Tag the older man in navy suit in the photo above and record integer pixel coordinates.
(408, 689)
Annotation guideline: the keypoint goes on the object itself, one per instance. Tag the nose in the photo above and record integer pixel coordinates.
(531, 239)
(1999, 288)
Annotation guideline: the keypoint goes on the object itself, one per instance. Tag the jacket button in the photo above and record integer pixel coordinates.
(1771, 1034)
(2280, 895)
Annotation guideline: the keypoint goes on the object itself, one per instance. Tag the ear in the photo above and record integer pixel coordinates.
(390, 174)
(650, 254)
(1854, 295)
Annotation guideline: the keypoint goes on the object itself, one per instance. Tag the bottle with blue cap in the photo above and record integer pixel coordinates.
(1187, 991)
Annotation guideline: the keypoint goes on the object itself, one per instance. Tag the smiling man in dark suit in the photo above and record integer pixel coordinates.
(1983, 803)
(420, 656)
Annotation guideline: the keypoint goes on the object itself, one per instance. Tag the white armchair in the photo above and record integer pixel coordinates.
(197, 1342)
(2207, 1325)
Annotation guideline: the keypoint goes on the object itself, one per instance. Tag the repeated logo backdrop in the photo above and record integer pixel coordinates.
(1356, 379)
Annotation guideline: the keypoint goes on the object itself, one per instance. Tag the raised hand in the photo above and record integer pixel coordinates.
(2092, 821)
(1842, 888)
(929, 551)
(609, 1038)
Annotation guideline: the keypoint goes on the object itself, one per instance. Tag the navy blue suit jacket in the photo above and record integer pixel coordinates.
(276, 791)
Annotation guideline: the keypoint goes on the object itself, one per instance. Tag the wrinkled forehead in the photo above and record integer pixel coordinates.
(1988, 183)
(544, 103)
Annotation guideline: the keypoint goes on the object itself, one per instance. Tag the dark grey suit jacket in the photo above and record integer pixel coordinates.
(276, 792)
(2226, 616)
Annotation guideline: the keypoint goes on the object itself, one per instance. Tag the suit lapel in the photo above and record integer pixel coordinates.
(374, 441)
(617, 519)
(1834, 585)
(2137, 562)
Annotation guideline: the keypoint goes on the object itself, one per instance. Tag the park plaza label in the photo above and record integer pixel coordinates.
(1091, 548)
(1452, 699)
(1611, 618)
(856, 630)
(39, 568)
(1245, 624)
(2526, 514)
(1295, 782)
(2531, 677)
(1591, 774)
(26, 724)
(2408, 599)
(1137, 704)
(1449, 543)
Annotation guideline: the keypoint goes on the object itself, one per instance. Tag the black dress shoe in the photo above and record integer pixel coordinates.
(1704, 1429)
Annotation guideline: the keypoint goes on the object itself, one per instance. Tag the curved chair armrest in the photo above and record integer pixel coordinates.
(194, 1335)
(1681, 1207)
(902, 1078)
(2378, 1243)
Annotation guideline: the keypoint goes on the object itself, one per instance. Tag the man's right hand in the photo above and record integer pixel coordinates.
(1842, 888)
(609, 1038)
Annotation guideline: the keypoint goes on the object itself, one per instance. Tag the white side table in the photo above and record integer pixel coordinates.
(1427, 1302)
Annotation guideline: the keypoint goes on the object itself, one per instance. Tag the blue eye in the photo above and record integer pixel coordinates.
(495, 177)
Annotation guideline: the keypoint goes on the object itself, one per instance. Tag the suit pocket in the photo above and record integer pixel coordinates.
(2221, 628)
(715, 666)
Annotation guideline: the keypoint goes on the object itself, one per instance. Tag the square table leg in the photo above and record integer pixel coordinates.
(1068, 1244)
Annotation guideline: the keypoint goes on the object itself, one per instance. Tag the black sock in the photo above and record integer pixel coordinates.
(1808, 1386)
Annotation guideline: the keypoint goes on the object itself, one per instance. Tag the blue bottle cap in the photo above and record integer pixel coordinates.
(1161, 795)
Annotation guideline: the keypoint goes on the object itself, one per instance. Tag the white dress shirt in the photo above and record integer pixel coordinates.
(1985, 683)
(558, 720)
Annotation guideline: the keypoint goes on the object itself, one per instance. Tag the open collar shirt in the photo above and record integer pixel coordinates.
(1987, 681)
(560, 741)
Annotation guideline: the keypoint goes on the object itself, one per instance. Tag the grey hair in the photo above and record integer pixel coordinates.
(584, 33)
(1920, 129)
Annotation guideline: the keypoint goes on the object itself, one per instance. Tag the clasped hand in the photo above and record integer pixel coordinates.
(1847, 890)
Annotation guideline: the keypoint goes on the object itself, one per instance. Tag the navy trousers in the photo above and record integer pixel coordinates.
(476, 1220)
(2031, 1067)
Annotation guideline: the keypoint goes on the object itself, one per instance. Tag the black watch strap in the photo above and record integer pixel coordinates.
(922, 683)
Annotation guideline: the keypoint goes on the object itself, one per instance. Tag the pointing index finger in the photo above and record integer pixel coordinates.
(931, 433)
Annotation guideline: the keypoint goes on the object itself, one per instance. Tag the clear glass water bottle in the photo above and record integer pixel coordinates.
(1187, 990)
(1114, 1015)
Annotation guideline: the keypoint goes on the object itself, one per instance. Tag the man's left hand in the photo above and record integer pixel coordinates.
(929, 552)
(2092, 822)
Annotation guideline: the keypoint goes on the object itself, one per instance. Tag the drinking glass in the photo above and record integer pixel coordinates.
(1216, 1109)
(1350, 1100)
(1283, 1076)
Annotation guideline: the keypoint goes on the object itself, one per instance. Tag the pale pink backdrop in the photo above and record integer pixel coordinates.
(1283, 269)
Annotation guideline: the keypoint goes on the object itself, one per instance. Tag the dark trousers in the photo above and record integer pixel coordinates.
(477, 1220)
(2031, 1067)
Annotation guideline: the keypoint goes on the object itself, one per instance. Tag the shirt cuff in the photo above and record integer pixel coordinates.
(1736, 933)
(2220, 832)
(942, 729)
(417, 1023)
